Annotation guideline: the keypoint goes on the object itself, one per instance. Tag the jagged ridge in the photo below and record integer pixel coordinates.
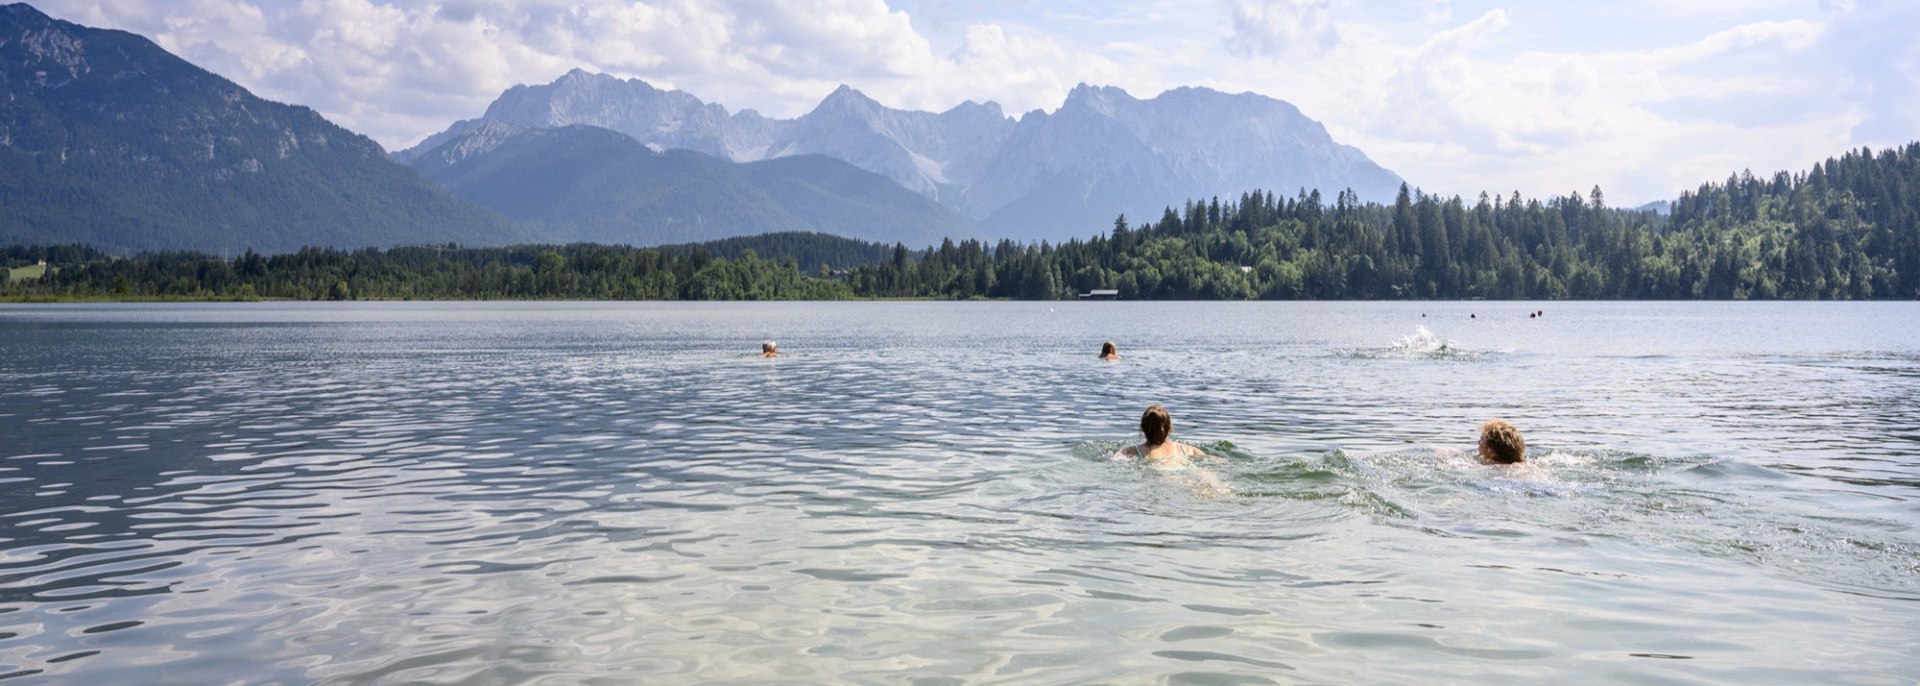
(1040, 176)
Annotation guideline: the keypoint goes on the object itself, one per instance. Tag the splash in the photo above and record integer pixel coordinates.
(1422, 341)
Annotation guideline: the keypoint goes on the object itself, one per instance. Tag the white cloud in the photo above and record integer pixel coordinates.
(1878, 62)
(1486, 105)
(400, 70)
(1275, 28)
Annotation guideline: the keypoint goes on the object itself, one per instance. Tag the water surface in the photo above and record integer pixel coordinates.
(919, 493)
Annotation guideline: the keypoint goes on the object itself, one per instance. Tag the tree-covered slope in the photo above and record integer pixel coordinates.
(1847, 229)
(583, 183)
(108, 140)
(812, 252)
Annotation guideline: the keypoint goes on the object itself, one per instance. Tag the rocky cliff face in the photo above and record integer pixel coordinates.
(660, 118)
(1046, 175)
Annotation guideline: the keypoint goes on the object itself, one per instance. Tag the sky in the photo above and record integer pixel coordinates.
(1643, 98)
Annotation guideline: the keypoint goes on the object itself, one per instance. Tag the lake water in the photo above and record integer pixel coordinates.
(919, 493)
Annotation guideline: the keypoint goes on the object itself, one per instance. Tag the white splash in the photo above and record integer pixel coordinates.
(1422, 341)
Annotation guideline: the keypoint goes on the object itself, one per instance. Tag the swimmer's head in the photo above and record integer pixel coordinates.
(1107, 349)
(769, 348)
(1500, 443)
(1156, 424)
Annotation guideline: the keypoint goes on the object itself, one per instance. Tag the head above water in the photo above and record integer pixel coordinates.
(769, 348)
(1108, 349)
(1500, 443)
(1156, 424)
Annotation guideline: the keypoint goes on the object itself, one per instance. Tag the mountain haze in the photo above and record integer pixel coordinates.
(585, 183)
(1043, 175)
(107, 139)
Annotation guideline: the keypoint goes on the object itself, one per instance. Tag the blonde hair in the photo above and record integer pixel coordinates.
(1503, 442)
(1156, 424)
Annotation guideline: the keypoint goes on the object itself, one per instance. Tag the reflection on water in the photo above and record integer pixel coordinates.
(920, 493)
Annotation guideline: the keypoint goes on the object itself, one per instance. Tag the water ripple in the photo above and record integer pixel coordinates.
(920, 493)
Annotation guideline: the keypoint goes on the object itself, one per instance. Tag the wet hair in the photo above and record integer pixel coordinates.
(1156, 424)
(1503, 442)
(1107, 348)
(767, 347)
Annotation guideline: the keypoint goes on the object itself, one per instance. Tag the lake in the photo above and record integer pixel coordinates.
(920, 493)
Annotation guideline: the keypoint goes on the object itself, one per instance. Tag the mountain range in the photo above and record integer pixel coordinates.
(585, 183)
(108, 140)
(1041, 176)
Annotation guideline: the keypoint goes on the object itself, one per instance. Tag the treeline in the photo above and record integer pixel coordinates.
(811, 251)
(1847, 229)
(580, 271)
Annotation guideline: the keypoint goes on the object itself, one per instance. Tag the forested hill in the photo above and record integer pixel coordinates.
(1844, 230)
(582, 183)
(582, 271)
(1847, 229)
(811, 251)
(107, 139)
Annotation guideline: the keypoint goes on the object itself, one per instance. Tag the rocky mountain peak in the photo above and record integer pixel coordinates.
(973, 110)
(847, 100)
(45, 42)
(1090, 93)
(1046, 175)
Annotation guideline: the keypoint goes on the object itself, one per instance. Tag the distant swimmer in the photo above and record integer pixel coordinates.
(1158, 452)
(769, 349)
(1108, 351)
(1500, 443)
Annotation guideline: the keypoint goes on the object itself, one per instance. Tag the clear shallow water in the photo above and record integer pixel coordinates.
(918, 493)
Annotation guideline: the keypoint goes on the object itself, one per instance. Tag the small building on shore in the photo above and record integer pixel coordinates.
(1101, 294)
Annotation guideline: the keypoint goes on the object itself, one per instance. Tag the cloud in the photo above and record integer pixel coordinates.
(400, 70)
(1878, 65)
(1463, 111)
(1273, 28)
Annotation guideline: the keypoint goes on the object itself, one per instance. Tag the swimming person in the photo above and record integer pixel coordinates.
(769, 349)
(1108, 351)
(1159, 452)
(1500, 443)
(1172, 458)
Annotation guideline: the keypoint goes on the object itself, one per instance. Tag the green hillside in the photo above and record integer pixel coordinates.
(108, 140)
(583, 183)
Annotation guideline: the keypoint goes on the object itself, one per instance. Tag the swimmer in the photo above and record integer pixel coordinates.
(769, 349)
(1500, 443)
(1159, 452)
(1108, 351)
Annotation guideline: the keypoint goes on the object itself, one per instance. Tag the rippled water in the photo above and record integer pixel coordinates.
(919, 493)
